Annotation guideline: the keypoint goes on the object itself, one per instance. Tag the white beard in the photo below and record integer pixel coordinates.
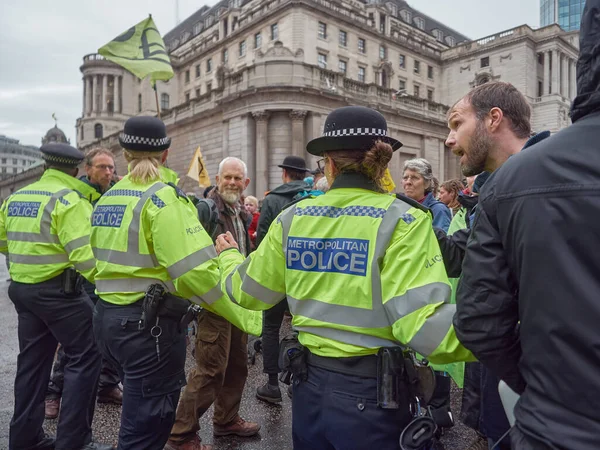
(231, 197)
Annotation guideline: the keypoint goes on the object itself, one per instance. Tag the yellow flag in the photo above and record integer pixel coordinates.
(142, 51)
(387, 182)
(198, 171)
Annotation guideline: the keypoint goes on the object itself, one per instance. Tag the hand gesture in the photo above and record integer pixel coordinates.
(224, 242)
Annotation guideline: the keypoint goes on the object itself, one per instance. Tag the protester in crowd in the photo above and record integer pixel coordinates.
(449, 191)
(251, 205)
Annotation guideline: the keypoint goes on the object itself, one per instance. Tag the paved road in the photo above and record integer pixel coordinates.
(276, 420)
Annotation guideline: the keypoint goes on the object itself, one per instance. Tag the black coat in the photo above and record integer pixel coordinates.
(534, 258)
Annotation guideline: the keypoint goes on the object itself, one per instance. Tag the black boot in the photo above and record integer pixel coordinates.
(269, 393)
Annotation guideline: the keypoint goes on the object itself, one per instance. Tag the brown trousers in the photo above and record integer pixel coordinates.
(219, 376)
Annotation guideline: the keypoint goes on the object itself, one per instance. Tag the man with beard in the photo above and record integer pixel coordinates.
(487, 126)
(221, 348)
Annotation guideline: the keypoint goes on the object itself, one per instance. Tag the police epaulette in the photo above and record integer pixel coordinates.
(413, 203)
(179, 192)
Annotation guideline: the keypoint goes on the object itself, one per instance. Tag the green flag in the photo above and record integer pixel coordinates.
(142, 51)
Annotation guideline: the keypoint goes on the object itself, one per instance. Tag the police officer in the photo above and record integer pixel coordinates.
(146, 233)
(361, 270)
(45, 229)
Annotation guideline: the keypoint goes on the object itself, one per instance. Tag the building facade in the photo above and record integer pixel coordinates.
(16, 158)
(256, 78)
(566, 13)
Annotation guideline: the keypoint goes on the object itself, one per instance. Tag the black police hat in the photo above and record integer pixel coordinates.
(63, 155)
(144, 134)
(352, 128)
(294, 163)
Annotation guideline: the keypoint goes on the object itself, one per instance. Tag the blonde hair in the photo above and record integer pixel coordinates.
(252, 200)
(143, 166)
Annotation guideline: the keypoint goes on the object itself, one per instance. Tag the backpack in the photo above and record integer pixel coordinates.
(208, 214)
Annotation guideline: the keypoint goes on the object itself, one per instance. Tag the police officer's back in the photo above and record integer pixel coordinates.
(147, 239)
(45, 229)
(361, 271)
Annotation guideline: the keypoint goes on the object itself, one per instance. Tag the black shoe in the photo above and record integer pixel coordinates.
(97, 446)
(48, 443)
(269, 393)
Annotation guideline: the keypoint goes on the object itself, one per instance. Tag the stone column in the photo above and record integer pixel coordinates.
(298, 132)
(572, 79)
(104, 93)
(546, 88)
(225, 141)
(262, 152)
(89, 95)
(117, 94)
(95, 93)
(85, 90)
(564, 76)
(442, 173)
(555, 72)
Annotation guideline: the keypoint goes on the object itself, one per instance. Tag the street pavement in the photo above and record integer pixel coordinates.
(275, 434)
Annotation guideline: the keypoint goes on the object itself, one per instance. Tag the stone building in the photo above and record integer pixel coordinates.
(256, 79)
(15, 157)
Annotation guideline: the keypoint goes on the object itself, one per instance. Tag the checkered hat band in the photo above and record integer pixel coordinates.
(153, 142)
(61, 160)
(357, 132)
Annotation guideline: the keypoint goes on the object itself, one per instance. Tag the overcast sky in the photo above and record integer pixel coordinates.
(42, 44)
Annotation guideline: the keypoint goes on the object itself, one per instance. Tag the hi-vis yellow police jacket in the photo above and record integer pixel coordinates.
(146, 234)
(45, 228)
(361, 270)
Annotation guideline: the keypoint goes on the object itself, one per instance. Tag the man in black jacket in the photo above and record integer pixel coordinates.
(532, 260)
(294, 171)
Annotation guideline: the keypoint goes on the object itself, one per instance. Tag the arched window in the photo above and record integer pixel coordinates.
(420, 23)
(139, 102)
(98, 131)
(164, 101)
(406, 15)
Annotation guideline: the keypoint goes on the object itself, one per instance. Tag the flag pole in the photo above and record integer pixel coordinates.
(157, 104)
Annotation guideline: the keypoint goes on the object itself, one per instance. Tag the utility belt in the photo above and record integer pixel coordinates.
(71, 282)
(397, 371)
(159, 303)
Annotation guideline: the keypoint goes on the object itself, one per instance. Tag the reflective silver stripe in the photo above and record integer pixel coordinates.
(349, 337)
(132, 257)
(192, 261)
(286, 219)
(252, 287)
(86, 265)
(415, 299)
(38, 259)
(46, 221)
(229, 283)
(77, 243)
(434, 330)
(129, 285)
(125, 258)
(32, 237)
(210, 297)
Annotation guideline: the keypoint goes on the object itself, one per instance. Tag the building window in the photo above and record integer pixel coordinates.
(402, 85)
(450, 41)
(98, 131)
(430, 72)
(14, 170)
(343, 66)
(322, 30)
(198, 28)
(420, 23)
(439, 35)
(242, 48)
(164, 101)
(485, 62)
(402, 61)
(187, 76)
(322, 60)
(197, 92)
(362, 46)
(343, 38)
(257, 41)
(540, 91)
(430, 95)
(417, 67)
(82, 138)
(382, 23)
(406, 15)
(225, 55)
(187, 97)
(15, 161)
(274, 32)
(361, 74)
(3, 160)
(209, 65)
(139, 102)
(417, 90)
(382, 52)
(198, 71)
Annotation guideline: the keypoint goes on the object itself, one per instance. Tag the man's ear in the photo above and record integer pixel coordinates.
(495, 115)
(246, 183)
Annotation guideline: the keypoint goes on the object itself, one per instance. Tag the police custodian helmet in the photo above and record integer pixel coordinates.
(352, 128)
(144, 134)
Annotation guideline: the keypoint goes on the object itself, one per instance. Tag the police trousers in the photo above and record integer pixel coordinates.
(272, 319)
(151, 385)
(47, 316)
(109, 377)
(334, 411)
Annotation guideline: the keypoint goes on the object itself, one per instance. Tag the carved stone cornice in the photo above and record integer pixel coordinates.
(298, 115)
(261, 116)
